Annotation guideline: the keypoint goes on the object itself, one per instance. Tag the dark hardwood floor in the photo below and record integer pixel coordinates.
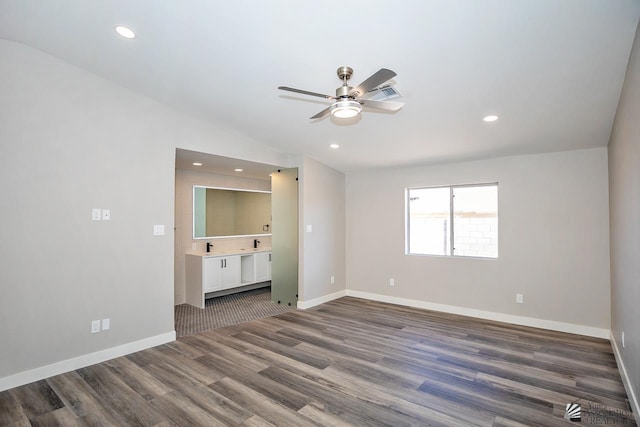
(347, 362)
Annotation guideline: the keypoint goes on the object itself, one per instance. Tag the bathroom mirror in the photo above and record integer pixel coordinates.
(229, 212)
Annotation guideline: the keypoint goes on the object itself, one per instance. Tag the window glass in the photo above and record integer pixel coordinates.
(430, 213)
(475, 221)
(466, 216)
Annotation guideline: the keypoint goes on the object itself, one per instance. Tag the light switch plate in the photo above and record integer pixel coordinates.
(158, 230)
(96, 214)
(309, 228)
(95, 326)
(106, 214)
(106, 324)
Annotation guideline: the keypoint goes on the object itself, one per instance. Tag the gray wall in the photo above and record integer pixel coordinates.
(553, 239)
(624, 198)
(322, 251)
(71, 141)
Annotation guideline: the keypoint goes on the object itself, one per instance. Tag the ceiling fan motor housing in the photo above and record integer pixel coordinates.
(343, 92)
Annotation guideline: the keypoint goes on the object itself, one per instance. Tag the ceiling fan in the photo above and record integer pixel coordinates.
(348, 101)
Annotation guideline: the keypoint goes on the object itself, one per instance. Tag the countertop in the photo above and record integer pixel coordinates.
(229, 252)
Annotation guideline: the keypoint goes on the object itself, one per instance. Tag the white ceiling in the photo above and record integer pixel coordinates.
(185, 160)
(551, 69)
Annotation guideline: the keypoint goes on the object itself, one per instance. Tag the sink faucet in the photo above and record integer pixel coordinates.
(255, 243)
(209, 246)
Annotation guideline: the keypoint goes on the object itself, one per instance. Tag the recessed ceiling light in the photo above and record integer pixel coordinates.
(490, 118)
(197, 164)
(125, 32)
(238, 170)
(334, 146)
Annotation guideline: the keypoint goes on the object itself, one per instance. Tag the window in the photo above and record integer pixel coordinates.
(453, 221)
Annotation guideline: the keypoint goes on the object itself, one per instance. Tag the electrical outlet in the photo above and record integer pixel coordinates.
(392, 282)
(622, 339)
(95, 326)
(309, 228)
(96, 214)
(106, 214)
(333, 280)
(106, 324)
(520, 298)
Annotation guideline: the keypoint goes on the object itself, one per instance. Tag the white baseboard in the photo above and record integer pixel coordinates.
(68, 365)
(628, 385)
(303, 305)
(488, 315)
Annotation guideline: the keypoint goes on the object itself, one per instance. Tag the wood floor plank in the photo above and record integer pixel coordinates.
(37, 399)
(140, 381)
(181, 411)
(289, 352)
(118, 398)
(576, 365)
(270, 410)
(557, 398)
(268, 331)
(331, 344)
(270, 389)
(206, 399)
(375, 372)
(505, 422)
(257, 421)
(449, 412)
(350, 409)
(61, 417)
(230, 354)
(495, 365)
(318, 412)
(190, 368)
(344, 363)
(533, 411)
(273, 358)
(81, 399)
(11, 411)
(183, 347)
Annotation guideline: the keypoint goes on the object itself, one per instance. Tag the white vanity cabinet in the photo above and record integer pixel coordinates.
(206, 273)
(220, 273)
(263, 266)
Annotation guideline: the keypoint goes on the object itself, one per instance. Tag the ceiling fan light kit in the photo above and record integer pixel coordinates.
(345, 109)
(348, 100)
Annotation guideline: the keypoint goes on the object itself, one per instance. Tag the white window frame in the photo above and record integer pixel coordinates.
(451, 213)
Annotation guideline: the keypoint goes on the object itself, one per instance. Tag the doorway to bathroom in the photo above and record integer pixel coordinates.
(195, 171)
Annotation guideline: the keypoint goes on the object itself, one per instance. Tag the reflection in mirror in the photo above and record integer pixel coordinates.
(224, 212)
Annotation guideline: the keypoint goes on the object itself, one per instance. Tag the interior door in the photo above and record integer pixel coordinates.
(284, 237)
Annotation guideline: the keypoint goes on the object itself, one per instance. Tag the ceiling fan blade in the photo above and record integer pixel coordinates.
(322, 113)
(375, 80)
(306, 92)
(381, 105)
